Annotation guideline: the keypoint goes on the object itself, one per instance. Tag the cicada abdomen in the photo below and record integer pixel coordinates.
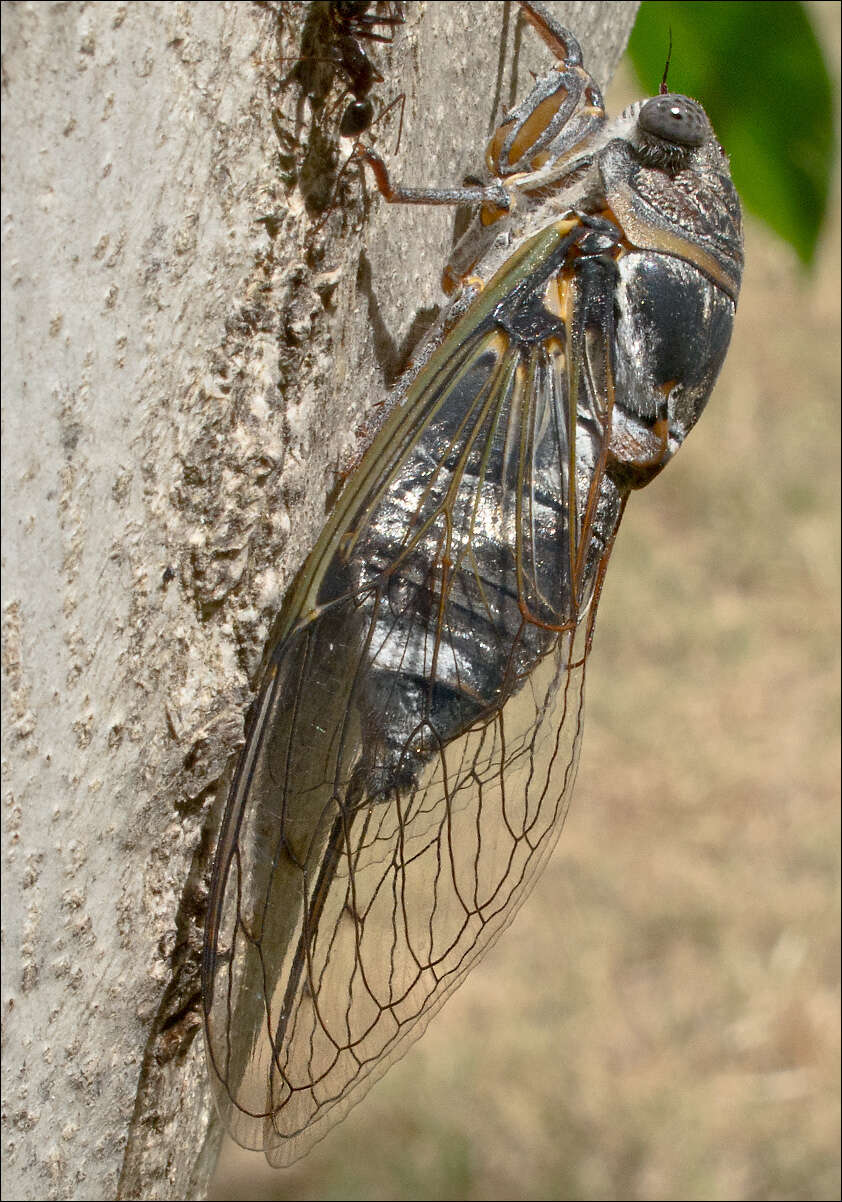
(413, 747)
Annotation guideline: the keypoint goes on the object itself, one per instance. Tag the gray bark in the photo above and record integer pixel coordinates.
(187, 366)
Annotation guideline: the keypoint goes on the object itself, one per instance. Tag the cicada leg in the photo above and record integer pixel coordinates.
(536, 145)
(396, 194)
(492, 198)
(547, 129)
(560, 113)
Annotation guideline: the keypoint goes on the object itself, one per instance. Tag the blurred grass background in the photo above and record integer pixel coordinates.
(662, 1020)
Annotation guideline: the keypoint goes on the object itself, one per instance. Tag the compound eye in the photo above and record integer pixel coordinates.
(676, 119)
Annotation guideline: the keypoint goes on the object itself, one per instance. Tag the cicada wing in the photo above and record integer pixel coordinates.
(416, 739)
(273, 832)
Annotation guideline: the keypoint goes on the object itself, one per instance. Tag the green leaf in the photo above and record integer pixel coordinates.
(758, 70)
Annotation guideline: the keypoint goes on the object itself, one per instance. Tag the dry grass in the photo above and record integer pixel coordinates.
(663, 1018)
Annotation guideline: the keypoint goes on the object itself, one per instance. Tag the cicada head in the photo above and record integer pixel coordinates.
(667, 181)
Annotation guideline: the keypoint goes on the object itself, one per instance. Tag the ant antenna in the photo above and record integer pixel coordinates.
(662, 91)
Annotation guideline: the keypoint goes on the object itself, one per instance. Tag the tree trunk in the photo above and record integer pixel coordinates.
(187, 359)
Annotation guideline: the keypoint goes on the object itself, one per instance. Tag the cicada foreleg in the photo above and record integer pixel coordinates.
(560, 113)
(492, 197)
(540, 143)
(397, 194)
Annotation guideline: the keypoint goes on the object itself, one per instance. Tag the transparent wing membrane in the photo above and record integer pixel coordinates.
(414, 748)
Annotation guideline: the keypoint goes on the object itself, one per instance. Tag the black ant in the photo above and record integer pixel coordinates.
(334, 34)
(332, 41)
(352, 22)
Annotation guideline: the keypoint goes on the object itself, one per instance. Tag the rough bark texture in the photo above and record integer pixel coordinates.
(188, 364)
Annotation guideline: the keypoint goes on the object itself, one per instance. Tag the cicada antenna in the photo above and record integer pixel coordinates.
(663, 89)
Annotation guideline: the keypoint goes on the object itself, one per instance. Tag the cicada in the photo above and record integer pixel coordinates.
(412, 750)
